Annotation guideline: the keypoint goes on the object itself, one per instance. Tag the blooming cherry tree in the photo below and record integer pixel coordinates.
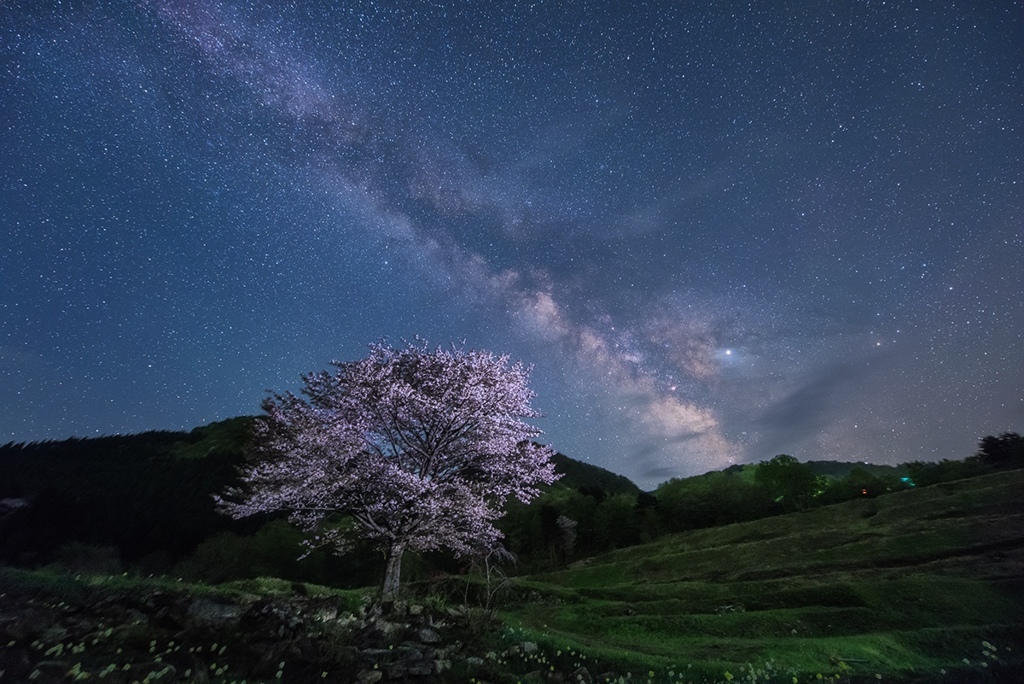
(420, 447)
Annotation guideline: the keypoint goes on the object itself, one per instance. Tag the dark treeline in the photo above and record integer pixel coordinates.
(149, 496)
(144, 503)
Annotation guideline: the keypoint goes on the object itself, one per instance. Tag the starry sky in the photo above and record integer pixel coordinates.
(719, 231)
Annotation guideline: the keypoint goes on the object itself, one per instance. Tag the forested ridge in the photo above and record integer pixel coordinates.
(146, 502)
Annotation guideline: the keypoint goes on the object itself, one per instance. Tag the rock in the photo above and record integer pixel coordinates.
(428, 635)
(49, 671)
(29, 623)
(473, 661)
(369, 676)
(420, 670)
(134, 617)
(168, 617)
(55, 634)
(392, 630)
(153, 671)
(581, 676)
(415, 610)
(396, 670)
(528, 647)
(347, 620)
(212, 614)
(409, 654)
(325, 612)
(269, 618)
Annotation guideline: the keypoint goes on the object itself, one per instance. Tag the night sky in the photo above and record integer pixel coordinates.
(719, 231)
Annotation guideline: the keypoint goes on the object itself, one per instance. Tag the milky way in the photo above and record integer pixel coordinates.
(718, 233)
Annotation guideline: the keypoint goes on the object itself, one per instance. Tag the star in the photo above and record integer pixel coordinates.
(700, 239)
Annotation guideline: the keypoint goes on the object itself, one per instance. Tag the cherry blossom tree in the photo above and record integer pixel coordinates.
(421, 448)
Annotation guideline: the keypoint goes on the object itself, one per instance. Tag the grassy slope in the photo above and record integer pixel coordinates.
(904, 585)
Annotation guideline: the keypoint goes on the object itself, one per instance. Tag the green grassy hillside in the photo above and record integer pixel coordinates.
(923, 585)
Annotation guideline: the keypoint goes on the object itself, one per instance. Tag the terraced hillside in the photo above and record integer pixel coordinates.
(924, 585)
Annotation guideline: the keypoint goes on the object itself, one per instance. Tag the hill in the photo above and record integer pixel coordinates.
(147, 500)
(144, 495)
(913, 586)
(839, 469)
(906, 586)
(584, 476)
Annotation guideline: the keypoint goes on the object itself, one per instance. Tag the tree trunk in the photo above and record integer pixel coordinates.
(392, 572)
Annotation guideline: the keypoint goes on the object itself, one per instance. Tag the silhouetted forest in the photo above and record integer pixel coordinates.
(145, 503)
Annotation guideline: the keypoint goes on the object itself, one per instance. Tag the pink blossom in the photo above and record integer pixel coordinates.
(420, 448)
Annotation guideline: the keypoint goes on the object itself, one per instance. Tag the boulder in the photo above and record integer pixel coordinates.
(369, 676)
(581, 676)
(49, 672)
(428, 635)
(206, 614)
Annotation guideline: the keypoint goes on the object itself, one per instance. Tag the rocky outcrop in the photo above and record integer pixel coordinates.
(165, 635)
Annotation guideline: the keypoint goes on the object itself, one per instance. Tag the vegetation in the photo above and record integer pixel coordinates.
(410, 448)
(149, 497)
(765, 572)
(907, 585)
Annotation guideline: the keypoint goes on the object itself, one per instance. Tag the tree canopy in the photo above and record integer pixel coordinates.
(420, 447)
(788, 481)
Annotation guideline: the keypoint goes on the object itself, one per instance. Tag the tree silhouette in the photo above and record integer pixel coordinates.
(788, 481)
(1004, 451)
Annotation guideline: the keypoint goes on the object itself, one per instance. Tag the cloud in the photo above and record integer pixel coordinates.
(805, 411)
(659, 474)
(663, 212)
(665, 429)
(690, 344)
(542, 317)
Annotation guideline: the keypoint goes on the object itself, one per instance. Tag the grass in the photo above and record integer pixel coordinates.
(908, 586)
(920, 586)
